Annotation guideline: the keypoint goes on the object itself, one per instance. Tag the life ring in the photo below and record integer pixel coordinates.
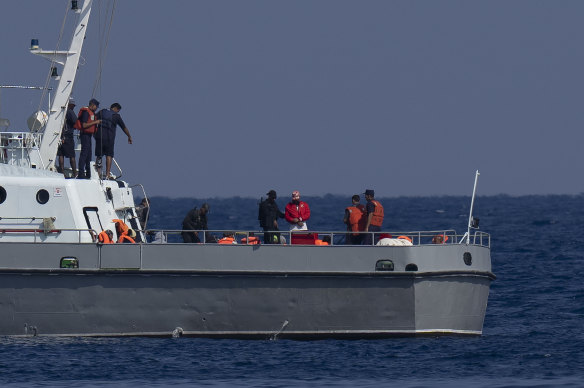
(405, 238)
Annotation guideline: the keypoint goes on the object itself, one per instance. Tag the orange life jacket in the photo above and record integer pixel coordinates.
(121, 227)
(252, 240)
(79, 125)
(357, 220)
(104, 238)
(439, 239)
(320, 242)
(377, 219)
(227, 240)
(124, 238)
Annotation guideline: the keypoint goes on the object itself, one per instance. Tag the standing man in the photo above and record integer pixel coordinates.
(374, 214)
(67, 146)
(268, 217)
(195, 220)
(88, 127)
(105, 136)
(297, 212)
(142, 211)
(355, 220)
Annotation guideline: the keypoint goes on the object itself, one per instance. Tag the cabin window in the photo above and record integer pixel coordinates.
(411, 267)
(2, 194)
(69, 262)
(42, 196)
(384, 265)
(467, 257)
(92, 218)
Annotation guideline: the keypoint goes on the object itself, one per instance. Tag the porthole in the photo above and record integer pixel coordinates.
(42, 196)
(69, 262)
(467, 257)
(384, 265)
(411, 267)
(2, 194)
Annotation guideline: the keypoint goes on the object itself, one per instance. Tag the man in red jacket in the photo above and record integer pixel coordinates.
(297, 212)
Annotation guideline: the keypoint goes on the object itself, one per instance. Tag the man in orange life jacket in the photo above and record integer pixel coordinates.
(374, 216)
(88, 127)
(106, 237)
(128, 237)
(125, 234)
(355, 220)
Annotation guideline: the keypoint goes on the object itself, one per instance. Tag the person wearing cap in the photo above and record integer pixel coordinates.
(374, 216)
(268, 217)
(297, 212)
(87, 129)
(195, 220)
(355, 220)
(105, 136)
(67, 146)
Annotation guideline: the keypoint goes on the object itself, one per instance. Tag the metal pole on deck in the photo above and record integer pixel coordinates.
(474, 190)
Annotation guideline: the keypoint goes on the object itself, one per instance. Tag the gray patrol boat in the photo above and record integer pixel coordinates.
(58, 280)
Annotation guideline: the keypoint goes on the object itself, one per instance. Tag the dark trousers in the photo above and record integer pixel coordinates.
(368, 238)
(85, 155)
(191, 237)
(354, 239)
(271, 237)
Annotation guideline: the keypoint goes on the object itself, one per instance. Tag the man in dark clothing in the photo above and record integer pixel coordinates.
(105, 136)
(67, 146)
(268, 217)
(142, 211)
(195, 220)
(88, 125)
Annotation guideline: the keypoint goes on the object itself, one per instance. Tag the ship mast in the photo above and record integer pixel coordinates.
(45, 158)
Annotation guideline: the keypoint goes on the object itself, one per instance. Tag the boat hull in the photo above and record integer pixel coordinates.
(202, 292)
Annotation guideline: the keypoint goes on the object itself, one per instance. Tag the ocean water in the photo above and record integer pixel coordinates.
(533, 332)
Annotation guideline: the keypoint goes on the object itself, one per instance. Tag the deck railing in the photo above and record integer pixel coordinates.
(308, 237)
(15, 147)
(36, 234)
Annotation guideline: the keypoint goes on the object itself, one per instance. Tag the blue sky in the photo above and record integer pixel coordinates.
(233, 97)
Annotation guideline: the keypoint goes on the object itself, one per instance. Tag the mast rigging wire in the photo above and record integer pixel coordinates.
(103, 37)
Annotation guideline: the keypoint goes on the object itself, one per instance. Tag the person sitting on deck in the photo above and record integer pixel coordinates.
(439, 239)
(106, 237)
(228, 238)
(128, 237)
(252, 240)
(123, 230)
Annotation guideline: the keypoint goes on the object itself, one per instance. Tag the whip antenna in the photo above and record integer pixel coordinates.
(472, 222)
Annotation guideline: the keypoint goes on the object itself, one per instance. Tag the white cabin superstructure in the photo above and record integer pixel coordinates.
(43, 206)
